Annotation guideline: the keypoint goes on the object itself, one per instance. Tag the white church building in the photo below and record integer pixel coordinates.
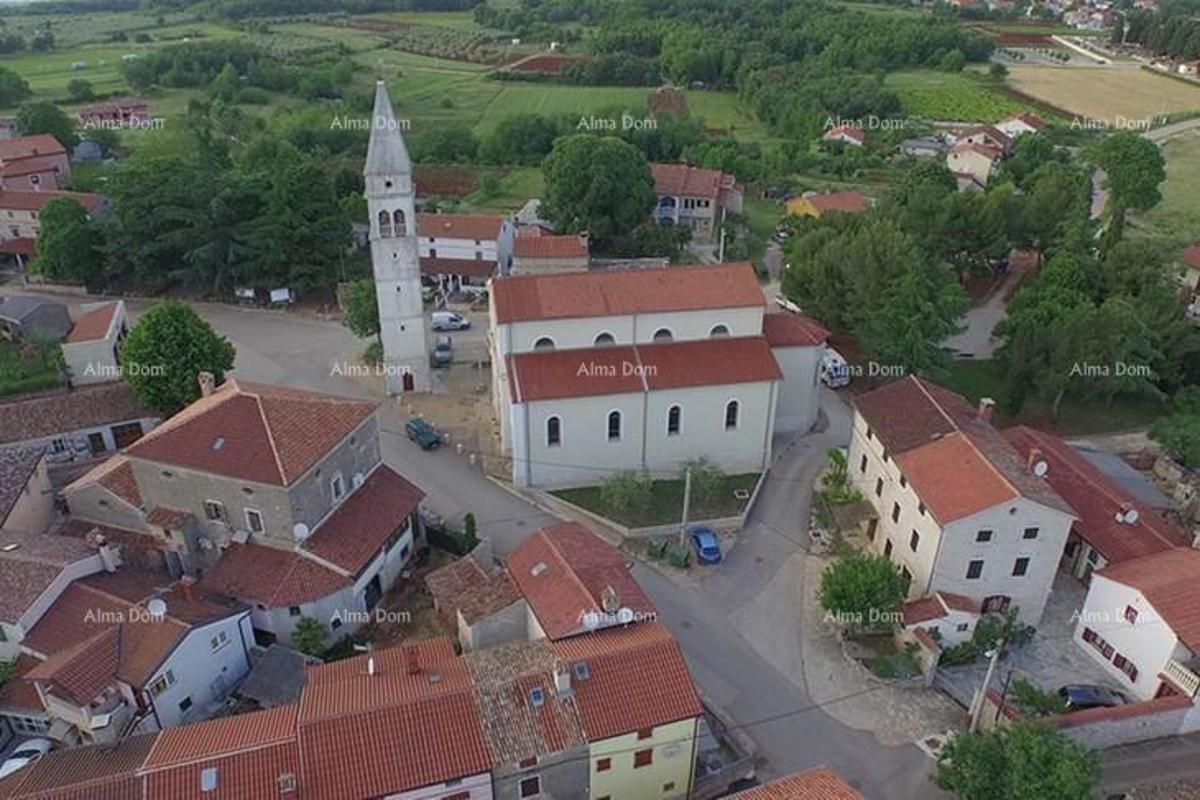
(395, 254)
(643, 369)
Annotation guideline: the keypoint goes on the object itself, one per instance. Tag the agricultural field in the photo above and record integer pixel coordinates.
(1106, 93)
(76, 29)
(951, 96)
(1178, 214)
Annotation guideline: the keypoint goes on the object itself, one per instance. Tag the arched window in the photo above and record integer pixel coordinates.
(614, 426)
(674, 417)
(544, 343)
(385, 225)
(731, 415)
(553, 432)
(719, 332)
(398, 216)
(603, 339)
(663, 335)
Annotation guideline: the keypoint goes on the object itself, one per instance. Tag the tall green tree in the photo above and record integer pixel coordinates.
(362, 309)
(863, 592)
(921, 311)
(600, 184)
(69, 244)
(34, 118)
(13, 88)
(1026, 762)
(166, 351)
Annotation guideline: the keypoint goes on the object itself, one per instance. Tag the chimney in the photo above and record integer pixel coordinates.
(371, 666)
(110, 555)
(1035, 455)
(412, 661)
(187, 587)
(207, 383)
(610, 601)
(562, 680)
(986, 405)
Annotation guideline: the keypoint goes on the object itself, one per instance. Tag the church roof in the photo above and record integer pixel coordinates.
(386, 153)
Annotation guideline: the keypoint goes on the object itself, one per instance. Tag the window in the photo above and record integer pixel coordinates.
(603, 339)
(974, 569)
(1020, 567)
(214, 511)
(895, 512)
(645, 733)
(887, 548)
(294, 611)
(885, 455)
(669, 786)
(869, 434)
(219, 641)
(526, 763)
(921, 508)
(337, 487)
(603, 764)
(1126, 666)
(983, 536)
(862, 465)
(731, 415)
(164, 682)
(335, 623)
(185, 703)
(398, 222)
(544, 343)
(59, 445)
(664, 335)
(879, 487)
(903, 482)
(963, 627)
(1131, 615)
(718, 332)
(385, 225)
(254, 521)
(553, 432)
(674, 413)
(614, 426)
(643, 758)
(914, 541)
(1030, 533)
(531, 786)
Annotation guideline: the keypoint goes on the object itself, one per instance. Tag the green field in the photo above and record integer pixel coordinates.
(951, 96)
(1178, 214)
(27, 369)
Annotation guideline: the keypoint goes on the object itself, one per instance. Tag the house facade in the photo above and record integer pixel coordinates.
(77, 425)
(33, 163)
(955, 507)
(638, 369)
(91, 349)
(20, 211)
(695, 198)
(538, 253)
(464, 249)
(979, 161)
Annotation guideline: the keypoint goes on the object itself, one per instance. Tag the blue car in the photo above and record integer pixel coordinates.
(708, 551)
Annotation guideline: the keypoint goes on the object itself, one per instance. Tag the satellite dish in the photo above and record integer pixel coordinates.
(357, 480)
(591, 620)
(1040, 469)
(1132, 516)
(157, 607)
(625, 615)
(300, 531)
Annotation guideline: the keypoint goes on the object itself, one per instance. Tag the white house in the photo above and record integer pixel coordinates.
(1141, 621)
(955, 507)
(459, 249)
(979, 161)
(91, 348)
(1020, 124)
(644, 369)
(76, 425)
(695, 198)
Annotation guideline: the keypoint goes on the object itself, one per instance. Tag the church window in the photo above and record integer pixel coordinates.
(731, 415)
(674, 417)
(553, 432)
(544, 343)
(614, 426)
(398, 218)
(602, 339)
(385, 225)
(719, 332)
(663, 335)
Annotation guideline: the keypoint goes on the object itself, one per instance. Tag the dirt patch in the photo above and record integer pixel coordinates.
(407, 612)
(544, 64)
(445, 180)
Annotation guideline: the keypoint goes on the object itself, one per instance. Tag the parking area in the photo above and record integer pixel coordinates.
(1050, 660)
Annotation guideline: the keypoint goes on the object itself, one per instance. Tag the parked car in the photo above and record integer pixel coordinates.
(1080, 696)
(704, 542)
(423, 433)
(27, 752)
(449, 321)
(834, 371)
(443, 352)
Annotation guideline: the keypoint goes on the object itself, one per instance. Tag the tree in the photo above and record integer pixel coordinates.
(1033, 701)
(80, 91)
(708, 481)
(309, 636)
(13, 88)
(600, 184)
(362, 309)
(1134, 167)
(34, 118)
(998, 71)
(920, 313)
(1026, 762)
(470, 535)
(520, 139)
(68, 244)
(627, 491)
(953, 61)
(166, 351)
(863, 592)
(1179, 432)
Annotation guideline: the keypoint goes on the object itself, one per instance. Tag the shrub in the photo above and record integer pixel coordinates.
(627, 491)
(708, 481)
(864, 592)
(1035, 702)
(309, 636)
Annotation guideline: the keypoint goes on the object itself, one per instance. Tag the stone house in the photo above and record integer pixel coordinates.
(695, 198)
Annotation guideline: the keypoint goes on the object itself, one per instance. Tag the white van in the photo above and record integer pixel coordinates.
(834, 372)
(448, 321)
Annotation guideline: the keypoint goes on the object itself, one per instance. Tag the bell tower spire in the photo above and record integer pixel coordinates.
(395, 258)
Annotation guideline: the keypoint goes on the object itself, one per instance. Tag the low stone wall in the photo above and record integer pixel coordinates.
(928, 651)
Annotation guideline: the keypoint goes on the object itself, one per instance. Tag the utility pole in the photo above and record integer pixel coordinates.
(687, 501)
(977, 709)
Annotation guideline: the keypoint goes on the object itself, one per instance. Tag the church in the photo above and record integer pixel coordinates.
(595, 372)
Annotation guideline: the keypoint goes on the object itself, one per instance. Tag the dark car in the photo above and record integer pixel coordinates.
(704, 542)
(423, 433)
(1079, 696)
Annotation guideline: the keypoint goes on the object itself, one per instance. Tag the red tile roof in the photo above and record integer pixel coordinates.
(254, 432)
(936, 606)
(1170, 581)
(590, 372)
(275, 577)
(32, 165)
(681, 180)
(481, 227)
(637, 679)
(26, 419)
(88, 773)
(985, 150)
(958, 464)
(848, 131)
(564, 572)
(42, 144)
(793, 330)
(542, 246)
(28, 569)
(618, 292)
(171, 519)
(1097, 500)
(846, 202)
(93, 325)
(12, 200)
(223, 736)
(354, 534)
(254, 774)
(115, 475)
(1191, 256)
(458, 266)
(472, 589)
(1032, 120)
(22, 245)
(814, 784)
(19, 693)
(989, 133)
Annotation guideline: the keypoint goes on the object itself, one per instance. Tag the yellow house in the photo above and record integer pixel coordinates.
(819, 205)
(645, 765)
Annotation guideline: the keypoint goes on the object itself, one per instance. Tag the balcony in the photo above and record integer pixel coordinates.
(1183, 675)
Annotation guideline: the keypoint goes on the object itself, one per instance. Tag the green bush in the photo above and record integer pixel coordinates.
(708, 481)
(627, 491)
(309, 636)
(373, 355)
(1035, 702)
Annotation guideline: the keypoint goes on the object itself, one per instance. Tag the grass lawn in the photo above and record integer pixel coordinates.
(1106, 93)
(666, 505)
(18, 375)
(517, 185)
(723, 110)
(951, 96)
(1177, 216)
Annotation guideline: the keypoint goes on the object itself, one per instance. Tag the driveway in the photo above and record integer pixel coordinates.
(976, 340)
